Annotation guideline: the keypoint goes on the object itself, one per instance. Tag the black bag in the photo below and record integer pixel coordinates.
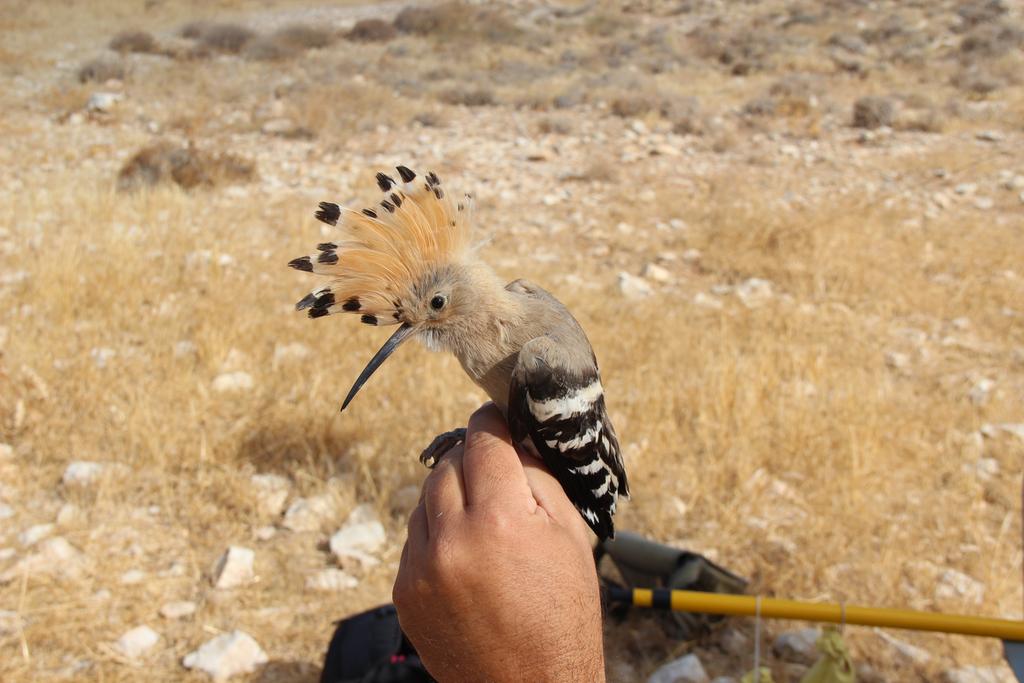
(371, 648)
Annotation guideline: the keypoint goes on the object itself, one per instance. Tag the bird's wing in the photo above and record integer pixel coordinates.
(563, 413)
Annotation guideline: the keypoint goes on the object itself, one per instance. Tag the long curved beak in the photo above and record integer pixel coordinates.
(394, 341)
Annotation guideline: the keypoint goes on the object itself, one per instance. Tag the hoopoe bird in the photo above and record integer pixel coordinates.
(410, 261)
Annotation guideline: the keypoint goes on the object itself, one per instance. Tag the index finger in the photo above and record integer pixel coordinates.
(491, 468)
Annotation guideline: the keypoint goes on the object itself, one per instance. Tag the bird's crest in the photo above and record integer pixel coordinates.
(384, 251)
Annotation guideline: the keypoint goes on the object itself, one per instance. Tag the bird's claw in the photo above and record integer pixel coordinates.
(441, 444)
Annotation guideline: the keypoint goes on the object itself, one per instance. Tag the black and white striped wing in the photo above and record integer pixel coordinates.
(563, 414)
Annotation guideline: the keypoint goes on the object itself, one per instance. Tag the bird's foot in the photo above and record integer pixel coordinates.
(441, 444)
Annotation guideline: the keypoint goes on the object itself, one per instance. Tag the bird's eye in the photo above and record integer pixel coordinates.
(438, 302)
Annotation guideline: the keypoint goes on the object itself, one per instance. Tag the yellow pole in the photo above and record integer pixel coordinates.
(776, 608)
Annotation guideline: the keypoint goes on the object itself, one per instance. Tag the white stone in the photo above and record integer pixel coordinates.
(634, 287)
(137, 642)
(980, 392)
(35, 533)
(67, 514)
(308, 514)
(82, 473)
(6, 451)
(983, 203)
(6, 511)
(655, 272)
(361, 534)
(905, 649)
(986, 468)
(7, 553)
(966, 188)
(53, 557)
(184, 348)
(754, 292)
(691, 255)
(265, 533)
(989, 136)
(227, 655)
(178, 609)
(233, 381)
(797, 646)
(977, 674)
(954, 584)
(272, 492)
(686, 669)
(102, 356)
(331, 580)
(132, 577)
(103, 101)
(897, 360)
(707, 301)
(234, 568)
(278, 126)
(287, 353)
(1015, 429)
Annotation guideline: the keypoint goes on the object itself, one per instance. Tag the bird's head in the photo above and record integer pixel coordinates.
(407, 262)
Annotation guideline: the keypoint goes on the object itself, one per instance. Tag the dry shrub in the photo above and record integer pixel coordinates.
(304, 36)
(134, 41)
(229, 38)
(100, 70)
(269, 49)
(372, 31)
(980, 12)
(978, 82)
(555, 125)
(194, 29)
(872, 112)
(743, 52)
(469, 96)
(315, 110)
(184, 166)
(423, 21)
(632, 106)
(455, 21)
(990, 40)
(606, 24)
(429, 119)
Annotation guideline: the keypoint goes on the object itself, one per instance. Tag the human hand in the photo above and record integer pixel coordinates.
(497, 579)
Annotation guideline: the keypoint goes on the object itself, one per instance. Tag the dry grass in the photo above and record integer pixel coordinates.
(776, 439)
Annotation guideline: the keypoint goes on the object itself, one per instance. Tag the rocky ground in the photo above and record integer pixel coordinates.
(794, 232)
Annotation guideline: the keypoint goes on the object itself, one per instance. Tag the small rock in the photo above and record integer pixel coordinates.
(735, 642)
(103, 101)
(896, 360)
(308, 514)
(707, 301)
(691, 255)
(686, 669)
(975, 674)
(281, 126)
(655, 272)
(331, 580)
(136, 642)
(36, 533)
(132, 577)
(910, 652)
(1014, 182)
(6, 451)
(1016, 429)
(799, 646)
(633, 287)
(102, 356)
(54, 557)
(289, 353)
(67, 514)
(361, 534)
(989, 136)
(954, 584)
(723, 679)
(82, 473)
(233, 381)
(6, 511)
(872, 112)
(980, 392)
(986, 468)
(234, 568)
(271, 492)
(227, 655)
(983, 203)
(754, 292)
(965, 189)
(265, 533)
(184, 348)
(178, 610)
